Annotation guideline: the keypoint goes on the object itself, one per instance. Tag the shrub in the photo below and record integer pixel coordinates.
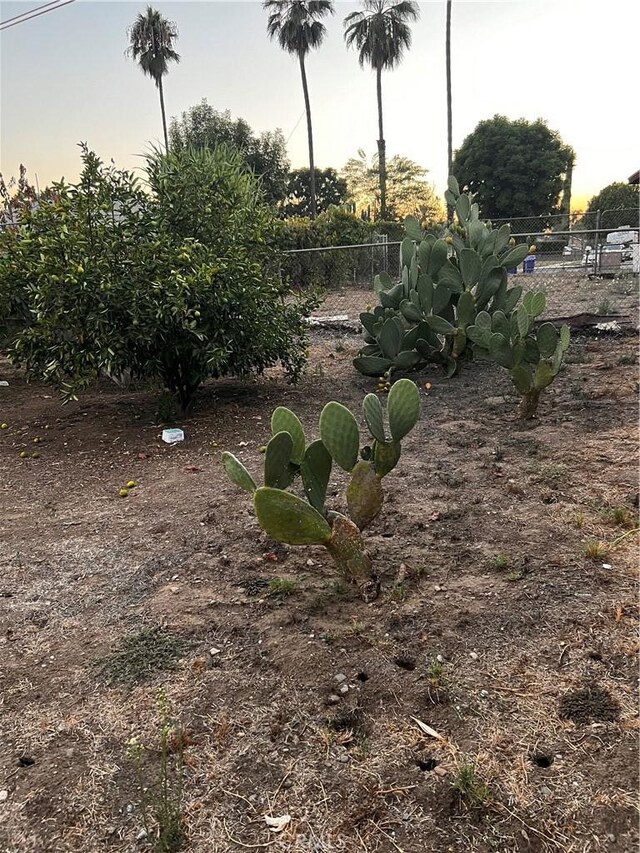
(178, 284)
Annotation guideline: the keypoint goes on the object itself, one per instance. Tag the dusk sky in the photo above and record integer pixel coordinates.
(572, 62)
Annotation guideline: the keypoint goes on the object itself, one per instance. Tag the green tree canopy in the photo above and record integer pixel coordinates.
(330, 189)
(408, 192)
(176, 282)
(515, 168)
(618, 203)
(265, 154)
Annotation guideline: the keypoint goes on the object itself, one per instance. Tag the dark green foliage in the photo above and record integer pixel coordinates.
(618, 203)
(331, 191)
(178, 285)
(334, 227)
(265, 154)
(514, 168)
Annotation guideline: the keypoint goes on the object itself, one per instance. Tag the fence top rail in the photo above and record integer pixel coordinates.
(554, 236)
(349, 246)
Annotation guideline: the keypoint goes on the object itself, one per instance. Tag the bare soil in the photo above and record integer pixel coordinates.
(494, 628)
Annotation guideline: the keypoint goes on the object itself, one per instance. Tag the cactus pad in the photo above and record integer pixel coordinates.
(364, 494)
(403, 408)
(277, 457)
(237, 473)
(315, 470)
(374, 416)
(287, 518)
(340, 435)
(284, 420)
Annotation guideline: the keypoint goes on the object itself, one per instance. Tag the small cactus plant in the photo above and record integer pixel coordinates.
(533, 357)
(289, 518)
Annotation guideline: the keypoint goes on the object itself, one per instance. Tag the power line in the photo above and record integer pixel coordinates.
(33, 13)
(295, 127)
(28, 12)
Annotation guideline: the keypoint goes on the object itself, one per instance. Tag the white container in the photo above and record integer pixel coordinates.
(172, 436)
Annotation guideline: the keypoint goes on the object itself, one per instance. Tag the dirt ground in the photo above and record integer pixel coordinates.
(494, 627)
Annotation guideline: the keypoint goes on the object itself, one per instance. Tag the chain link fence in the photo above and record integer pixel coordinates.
(585, 264)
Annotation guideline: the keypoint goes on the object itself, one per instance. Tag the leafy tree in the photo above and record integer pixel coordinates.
(515, 168)
(266, 155)
(151, 39)
(408, 193)
(174, 282)
(330, 190)
(298, 28)
(618, 203)
(381, 34)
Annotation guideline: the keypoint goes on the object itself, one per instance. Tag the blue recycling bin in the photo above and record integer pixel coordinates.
(528, 264)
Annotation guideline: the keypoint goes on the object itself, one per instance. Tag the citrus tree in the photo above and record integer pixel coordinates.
(174, 281)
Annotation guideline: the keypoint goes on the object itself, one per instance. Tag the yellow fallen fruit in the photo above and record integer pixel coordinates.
(123, 493)
(36, 440)
(130, 484)
(4, 426)
(35, 455)
(23, 454)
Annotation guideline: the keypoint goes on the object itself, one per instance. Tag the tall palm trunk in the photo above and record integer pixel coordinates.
(449, 115)
(164, 117)
(382, 154)
(307, 106)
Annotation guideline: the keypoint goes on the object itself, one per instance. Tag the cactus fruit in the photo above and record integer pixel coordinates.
(288, 518)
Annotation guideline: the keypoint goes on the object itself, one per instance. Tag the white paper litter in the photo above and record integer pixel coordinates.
(277, 824)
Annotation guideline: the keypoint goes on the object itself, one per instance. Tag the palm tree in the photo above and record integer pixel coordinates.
(449, 115)
(298, 27)
(151, 40)
(381, 34)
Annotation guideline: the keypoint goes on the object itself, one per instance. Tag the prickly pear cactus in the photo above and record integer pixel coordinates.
(533, 356)
(445, 282)
(289, 518)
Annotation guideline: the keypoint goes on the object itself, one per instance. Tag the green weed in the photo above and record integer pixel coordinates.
(282, 587)
(469, 786)
(139, 656)
(161, 796)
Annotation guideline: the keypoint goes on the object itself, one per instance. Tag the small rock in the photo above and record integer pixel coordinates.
(611, 837)
(175, 590)
(130, 808)
(311, 563)
(344, 688)
(606, 565)
(141, 835)
(3, 796)
(440, 771)
(546, 792)
(484, 693)
(344, 759)
(437, 588)
(333, 699)
(340, 677)
(213, 651)
(473, 655)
